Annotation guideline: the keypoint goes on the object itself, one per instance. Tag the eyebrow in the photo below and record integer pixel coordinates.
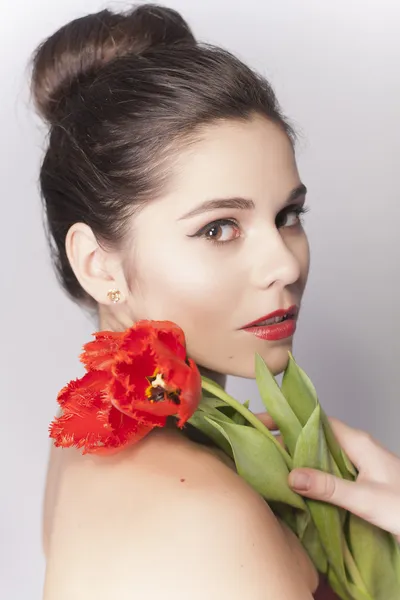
(240, 203)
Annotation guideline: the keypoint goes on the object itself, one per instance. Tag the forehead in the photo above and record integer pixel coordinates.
(236, 158)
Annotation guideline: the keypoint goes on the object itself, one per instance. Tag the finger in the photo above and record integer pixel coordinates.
(279, 439)
(361, 448)
(343, 432)
(373, 502)
(267, 420)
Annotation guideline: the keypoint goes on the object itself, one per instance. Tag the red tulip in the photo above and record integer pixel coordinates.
(134, 381)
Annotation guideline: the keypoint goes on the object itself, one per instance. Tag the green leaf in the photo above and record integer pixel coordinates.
(346, 468)
(302, 521)
(285, 513)
(301, 395)
(199, 420)
(356, 594)
(351, 469)
(212, 382)
(238, 418)
(277, 405)
(210, 401)
(312, 451)
(258, 462)
(298, 391)
(345, 594)
(213, 408)
(311, 541)
(377, 556)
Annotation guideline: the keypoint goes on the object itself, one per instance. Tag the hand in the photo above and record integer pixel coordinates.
(268, 421)
(374, 496)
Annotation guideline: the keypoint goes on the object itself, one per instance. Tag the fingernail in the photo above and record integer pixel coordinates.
(300, 481)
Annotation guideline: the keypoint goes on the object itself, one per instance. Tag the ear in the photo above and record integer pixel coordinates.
(96, 269)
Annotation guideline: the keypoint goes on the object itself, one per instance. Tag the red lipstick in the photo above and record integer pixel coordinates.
(277, 325)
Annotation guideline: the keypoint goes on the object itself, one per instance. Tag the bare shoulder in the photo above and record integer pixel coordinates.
(165, 518)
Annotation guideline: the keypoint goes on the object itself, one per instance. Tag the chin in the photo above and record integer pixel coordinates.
(276, 359)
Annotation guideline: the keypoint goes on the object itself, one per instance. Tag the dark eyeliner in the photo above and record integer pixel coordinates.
(210, 226)
(299, 209)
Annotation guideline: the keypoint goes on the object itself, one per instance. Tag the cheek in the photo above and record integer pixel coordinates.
(187, 284)
(305, 260)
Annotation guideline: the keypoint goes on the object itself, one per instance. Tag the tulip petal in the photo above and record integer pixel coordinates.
(133, 370)
(173, 341)
(89, 421)
(99, 353)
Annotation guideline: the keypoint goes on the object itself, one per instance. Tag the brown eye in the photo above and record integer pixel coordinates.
(290, 216)
(220, 232)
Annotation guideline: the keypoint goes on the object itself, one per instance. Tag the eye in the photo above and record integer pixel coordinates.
(221, 231)
(291, 216)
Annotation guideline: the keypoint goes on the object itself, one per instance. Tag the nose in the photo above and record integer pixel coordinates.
(275, 263)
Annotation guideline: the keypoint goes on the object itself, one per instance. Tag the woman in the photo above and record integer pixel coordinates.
(172, 193)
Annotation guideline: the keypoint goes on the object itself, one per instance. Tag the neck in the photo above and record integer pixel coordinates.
(219, 378)
(113, 320)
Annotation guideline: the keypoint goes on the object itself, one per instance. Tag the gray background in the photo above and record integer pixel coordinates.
(335, 67)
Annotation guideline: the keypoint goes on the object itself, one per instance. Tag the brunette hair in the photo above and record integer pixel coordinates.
(121, 94)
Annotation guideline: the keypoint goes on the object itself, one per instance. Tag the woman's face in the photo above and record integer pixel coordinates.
(225, 247)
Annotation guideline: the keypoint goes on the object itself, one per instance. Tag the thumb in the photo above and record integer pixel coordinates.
(374, 502)
(321, 486)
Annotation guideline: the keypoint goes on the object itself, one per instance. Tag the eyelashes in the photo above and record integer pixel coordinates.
(210, 231)
(207, 231)
(296, 209)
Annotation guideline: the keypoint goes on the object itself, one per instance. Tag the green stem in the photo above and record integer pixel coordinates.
(249, 416)
(353, 570)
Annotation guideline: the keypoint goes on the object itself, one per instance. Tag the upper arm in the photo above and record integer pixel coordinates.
(219, 547)
(50, 496)
(213, 538)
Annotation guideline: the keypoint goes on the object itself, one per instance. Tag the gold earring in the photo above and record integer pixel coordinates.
(114, 295)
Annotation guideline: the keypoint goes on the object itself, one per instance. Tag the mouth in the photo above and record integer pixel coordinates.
(274, 318)
(276, 326)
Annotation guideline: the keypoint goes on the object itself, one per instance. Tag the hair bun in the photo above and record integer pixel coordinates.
(86, 44)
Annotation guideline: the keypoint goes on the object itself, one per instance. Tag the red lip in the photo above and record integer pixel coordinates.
(292, 311)
(273, 333)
